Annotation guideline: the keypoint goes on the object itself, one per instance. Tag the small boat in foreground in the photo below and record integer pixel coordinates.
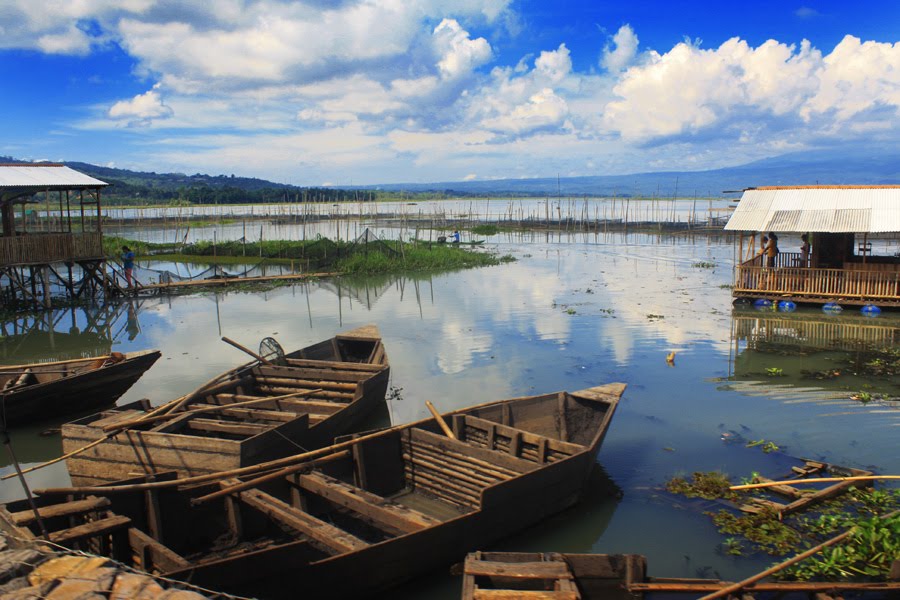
(555, 576)
(41, 391)
(388, 506)
(252, 413)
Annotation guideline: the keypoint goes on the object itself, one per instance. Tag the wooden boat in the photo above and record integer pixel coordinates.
(448, 242)
(553, 576)
(396, 503)
(336, 384)
(42, 391)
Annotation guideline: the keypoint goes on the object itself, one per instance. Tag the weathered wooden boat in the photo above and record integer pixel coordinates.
(253, 413)
(554, 576)
(393, 504)
(42, 391)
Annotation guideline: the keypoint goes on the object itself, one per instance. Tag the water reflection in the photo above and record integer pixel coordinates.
(575, 310)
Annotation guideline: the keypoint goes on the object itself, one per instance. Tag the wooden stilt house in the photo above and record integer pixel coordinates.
(51, 225)
(854, 232)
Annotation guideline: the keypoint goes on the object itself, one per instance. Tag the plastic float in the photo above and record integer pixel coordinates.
(787, 306)
(870, 310)
(832, 308)
(762, 303)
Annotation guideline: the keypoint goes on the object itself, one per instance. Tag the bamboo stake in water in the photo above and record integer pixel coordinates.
(753, 486)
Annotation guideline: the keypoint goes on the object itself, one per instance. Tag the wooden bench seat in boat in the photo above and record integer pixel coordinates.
(326, 535)
(68, 509)
(372, 507)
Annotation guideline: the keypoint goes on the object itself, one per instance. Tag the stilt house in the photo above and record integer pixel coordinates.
(51, 217)
(853, 231)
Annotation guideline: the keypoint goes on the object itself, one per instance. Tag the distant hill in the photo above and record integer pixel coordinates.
(848, 165)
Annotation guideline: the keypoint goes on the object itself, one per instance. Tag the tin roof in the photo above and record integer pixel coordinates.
(828, 209)
(41, 176)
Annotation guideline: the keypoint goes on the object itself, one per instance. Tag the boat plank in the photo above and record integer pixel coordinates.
(75, 507)
(88, 530)
(337, 365)
(366, 503)
(324, 533)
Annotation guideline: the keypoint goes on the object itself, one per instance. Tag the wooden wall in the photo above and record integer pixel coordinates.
(50, 248)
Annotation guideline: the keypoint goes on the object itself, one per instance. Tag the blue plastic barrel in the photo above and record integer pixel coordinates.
(787, 306)
(832, 307)
(870, 310)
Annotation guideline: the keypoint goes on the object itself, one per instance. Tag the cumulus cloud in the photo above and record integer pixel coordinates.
(689, 90)
(544, 109)
(554, 65)
(622, 50)
(459, 53)
(140, 110)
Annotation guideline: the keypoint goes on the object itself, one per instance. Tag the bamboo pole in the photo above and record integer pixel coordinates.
(251, 470)
(246, 350)
(752, 486)
(151, 419)
(728, 590)
(239, 487)
(440, 420)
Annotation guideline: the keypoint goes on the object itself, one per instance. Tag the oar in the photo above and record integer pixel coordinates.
(440, 420)
(245, 349)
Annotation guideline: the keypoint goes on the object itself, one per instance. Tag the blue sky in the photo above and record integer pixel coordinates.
(372, 91)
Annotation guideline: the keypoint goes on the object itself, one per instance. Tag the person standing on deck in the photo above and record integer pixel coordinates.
(771, 249)
(804, 250)
(127, 263)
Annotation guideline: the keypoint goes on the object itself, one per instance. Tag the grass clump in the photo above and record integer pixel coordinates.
(412, 257)
(485, 230)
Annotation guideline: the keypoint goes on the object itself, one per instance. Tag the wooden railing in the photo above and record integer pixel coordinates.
(47, 248)
(855, 282)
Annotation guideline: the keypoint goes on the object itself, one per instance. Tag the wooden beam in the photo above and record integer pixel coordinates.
(89, 530)
(324, 534)
(76, 507)
(366, 503)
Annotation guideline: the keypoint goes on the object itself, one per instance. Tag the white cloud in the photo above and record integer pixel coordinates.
(554, 65)
(459, 53)
(544, 109)
(623, 54)
(689, 90)
(141, 110)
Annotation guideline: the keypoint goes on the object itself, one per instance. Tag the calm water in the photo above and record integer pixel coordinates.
(572, 312)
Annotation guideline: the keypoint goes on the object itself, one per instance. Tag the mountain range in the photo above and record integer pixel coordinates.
(857, 165)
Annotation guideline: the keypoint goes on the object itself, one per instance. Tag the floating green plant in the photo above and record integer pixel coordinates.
(766, 445)
(704, 265)
(711, 485)
(774, 372)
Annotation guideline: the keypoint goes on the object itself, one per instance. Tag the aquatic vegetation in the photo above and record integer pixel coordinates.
(765, 529)
(485, 229)
(867, 554)
(704, 265)
(774, 372)
(766, 445)
(711, 485)
(570, 311)
(733, 546)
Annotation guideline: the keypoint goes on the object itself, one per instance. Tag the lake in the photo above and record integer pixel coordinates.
(573, 311)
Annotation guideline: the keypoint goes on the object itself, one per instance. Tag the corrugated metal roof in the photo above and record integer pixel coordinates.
(43, 176)
(837, 209)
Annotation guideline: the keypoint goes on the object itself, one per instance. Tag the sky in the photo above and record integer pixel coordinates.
(357, 92)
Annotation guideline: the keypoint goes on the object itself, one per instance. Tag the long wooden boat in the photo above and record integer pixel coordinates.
(336, 384)
(397, 503)
(41, 391)
(554, 576)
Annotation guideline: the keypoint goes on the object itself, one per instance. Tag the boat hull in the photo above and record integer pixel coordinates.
(77, 393)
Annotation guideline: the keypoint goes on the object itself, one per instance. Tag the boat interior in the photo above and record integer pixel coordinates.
(381, 488)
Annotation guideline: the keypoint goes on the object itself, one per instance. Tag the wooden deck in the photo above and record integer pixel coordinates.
(856, 283)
